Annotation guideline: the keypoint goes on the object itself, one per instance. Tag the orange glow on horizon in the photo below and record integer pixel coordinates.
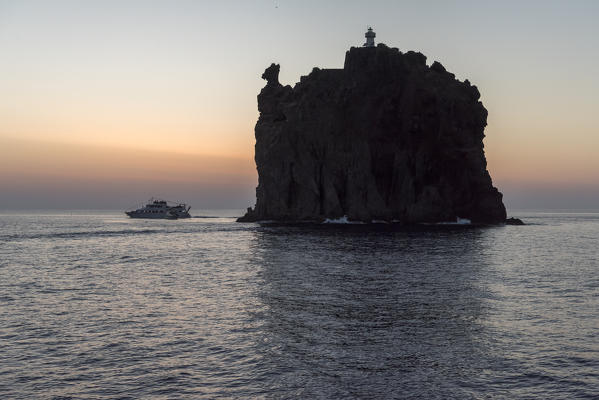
(34, 160)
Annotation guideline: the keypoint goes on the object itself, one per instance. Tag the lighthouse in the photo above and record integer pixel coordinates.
(370, 35)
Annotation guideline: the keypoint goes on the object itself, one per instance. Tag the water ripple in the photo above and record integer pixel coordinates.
(101, 307)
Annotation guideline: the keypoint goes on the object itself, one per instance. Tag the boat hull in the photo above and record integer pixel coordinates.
(134, 214)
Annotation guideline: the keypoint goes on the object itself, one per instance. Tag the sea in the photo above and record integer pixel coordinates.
(94, 305)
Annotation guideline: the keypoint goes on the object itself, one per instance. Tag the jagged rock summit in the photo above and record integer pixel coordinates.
(385, 138)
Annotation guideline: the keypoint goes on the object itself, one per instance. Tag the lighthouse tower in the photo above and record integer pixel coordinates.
(370, 35)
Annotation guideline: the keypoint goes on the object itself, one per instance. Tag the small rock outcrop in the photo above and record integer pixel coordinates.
(385, 138)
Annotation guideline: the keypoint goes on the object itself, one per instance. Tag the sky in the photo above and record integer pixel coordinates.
(105, 104)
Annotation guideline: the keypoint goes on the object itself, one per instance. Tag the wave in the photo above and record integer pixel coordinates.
(71, 235)
(341, 220)
(210, 216)
(459, 221)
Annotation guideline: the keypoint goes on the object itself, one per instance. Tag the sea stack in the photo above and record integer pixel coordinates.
(386, 138)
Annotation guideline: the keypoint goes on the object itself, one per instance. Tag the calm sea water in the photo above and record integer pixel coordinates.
(98, 306)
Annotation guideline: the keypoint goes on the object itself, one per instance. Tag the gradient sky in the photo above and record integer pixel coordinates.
(104, 104)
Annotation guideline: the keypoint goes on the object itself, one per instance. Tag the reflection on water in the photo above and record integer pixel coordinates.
(362, 313)
(98, 306)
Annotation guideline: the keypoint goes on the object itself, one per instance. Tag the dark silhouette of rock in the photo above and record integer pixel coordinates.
(385, 138)
(514, 221)
(271, 75)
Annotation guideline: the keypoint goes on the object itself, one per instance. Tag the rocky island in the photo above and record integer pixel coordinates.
(386, 138)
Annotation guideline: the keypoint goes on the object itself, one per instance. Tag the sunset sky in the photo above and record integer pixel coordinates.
(104, 104)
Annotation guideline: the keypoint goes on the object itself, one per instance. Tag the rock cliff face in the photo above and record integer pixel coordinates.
(385, 138)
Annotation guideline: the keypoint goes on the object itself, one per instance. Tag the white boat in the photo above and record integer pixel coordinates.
(161, 209)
